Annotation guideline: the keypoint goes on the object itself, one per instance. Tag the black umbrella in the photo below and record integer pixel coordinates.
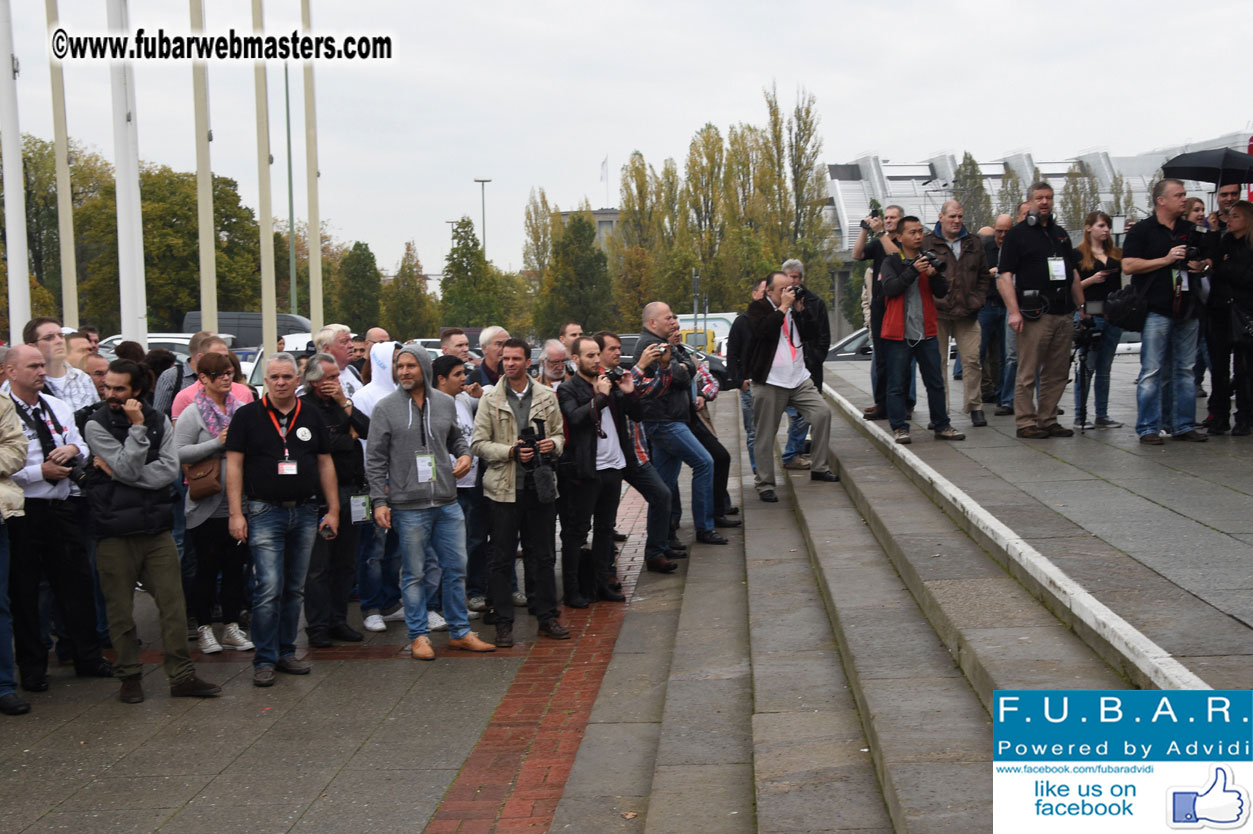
(1221, 166)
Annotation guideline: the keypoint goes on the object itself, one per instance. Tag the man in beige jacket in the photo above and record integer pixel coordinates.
(12, 458)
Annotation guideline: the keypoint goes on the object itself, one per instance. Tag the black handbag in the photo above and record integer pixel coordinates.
(1127, 308)
(1241, 327)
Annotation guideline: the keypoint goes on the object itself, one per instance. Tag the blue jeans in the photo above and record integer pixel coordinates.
(1010, 374)
(1094, 363)
(796, 431)
(927, 354)
(746, 412)
(1161, 333)
(281, 540)
(432, 576)
(474, 508)
(444, 528)
(378, 570)
(7, 682)
(673, 445)
(992, 329)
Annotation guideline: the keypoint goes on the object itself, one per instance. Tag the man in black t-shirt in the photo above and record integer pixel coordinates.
(278, 454)
(1154, 253)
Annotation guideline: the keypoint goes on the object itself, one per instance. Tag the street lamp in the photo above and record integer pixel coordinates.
(483, 195)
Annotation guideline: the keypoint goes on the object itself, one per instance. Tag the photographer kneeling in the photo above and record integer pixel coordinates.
(911, 284)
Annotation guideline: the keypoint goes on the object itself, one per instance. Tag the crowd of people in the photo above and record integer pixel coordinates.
(1021, 303)
(366, 468)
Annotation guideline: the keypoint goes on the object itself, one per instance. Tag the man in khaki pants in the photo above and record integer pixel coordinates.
(957, 313)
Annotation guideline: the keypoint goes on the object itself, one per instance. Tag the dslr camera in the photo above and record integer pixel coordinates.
(615, 375)
(929, 256)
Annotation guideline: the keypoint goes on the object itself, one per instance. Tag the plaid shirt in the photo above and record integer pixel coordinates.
(645, 386)
(75, 389)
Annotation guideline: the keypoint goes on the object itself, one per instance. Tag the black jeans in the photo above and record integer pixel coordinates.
(645, 480)
(594, 500)
(474, 508)
(217, 552)
(898, 353)
(47, 542)
(536, 523)
(722, 465)
(332, 569)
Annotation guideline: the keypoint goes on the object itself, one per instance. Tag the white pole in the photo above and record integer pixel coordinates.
(265, 213)
(314, 233)
(132, 289)
(14, 187)
(65, 197)
(204, 184)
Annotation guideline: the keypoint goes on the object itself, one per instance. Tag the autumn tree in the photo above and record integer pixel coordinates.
(408, 311)
(968, 189)
(358, 289)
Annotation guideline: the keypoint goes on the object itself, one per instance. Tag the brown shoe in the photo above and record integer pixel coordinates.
(1033, 433)
(194, 687)
(1058, 430)
(421, 648)
(132, 691)
(1192, 436)
(660, 564)
(1153, 439)
(469, 643)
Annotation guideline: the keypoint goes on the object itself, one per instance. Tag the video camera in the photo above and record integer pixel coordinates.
(539, 467)
(1085, 333)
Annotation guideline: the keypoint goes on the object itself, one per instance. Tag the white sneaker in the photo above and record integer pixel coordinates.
(473, 615)
(477, 604)
(519, 598)
(233, 637)
(206, 642)
(374, 622)
(397, 616)
(435, 621)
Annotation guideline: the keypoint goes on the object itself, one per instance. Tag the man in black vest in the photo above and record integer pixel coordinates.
(131, 495)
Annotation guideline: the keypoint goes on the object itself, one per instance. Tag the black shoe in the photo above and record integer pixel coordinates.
(1034, 433)
(875, 414)
(617, 586)
(1003, 410)
(194, 687)
(100, 668)
(988, 398)
(346, 633)
(319, 640)
(930, 426)
(35, 683)
(1191, 436)
(661, 564)
(723, 521)
(675, 554)
(619, 537)
(132, 691)
(1239, 430)
(732, 511)
(504, 635)
(12, 704)
(554, 629)
(709, 537)
(977, 419)
(1058, 430)
(828, 476)
(606, 594)
(768, 496)
(957, 376)
(575, 601)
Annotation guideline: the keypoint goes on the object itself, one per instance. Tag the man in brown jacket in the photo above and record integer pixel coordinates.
(958, 311)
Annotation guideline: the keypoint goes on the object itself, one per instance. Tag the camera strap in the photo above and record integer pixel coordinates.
(38, 423)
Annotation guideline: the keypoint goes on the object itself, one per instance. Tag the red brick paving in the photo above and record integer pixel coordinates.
(515, 776)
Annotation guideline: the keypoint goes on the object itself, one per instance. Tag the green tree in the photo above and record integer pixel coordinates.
(408, 310)
(471, 292)
(703, 191)
(1010, 195)
(358, 288)
(968, 189)
(577, 287)
(1148, 197)
(1080, 195)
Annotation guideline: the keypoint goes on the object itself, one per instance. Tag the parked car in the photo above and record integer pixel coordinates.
(175, 343)
(247, 326)
(854, 348)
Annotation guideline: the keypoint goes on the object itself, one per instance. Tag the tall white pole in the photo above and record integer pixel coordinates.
(65, 197)
(265, 213)
(132, 288)
(14, 187)
(314, 234)
(204, 183)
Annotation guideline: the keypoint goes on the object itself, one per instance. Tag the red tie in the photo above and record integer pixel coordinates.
(787, 335)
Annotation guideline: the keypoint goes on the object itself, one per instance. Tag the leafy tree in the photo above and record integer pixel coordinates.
(358, 288)
(41, 301)
(968, 189)
(1148, 198)
(1010, 195)
(1080, 195)
(577, 286)
(471, 291)
(703, 191)
(408, 310)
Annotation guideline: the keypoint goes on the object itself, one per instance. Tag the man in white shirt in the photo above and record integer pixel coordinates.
(63, 381)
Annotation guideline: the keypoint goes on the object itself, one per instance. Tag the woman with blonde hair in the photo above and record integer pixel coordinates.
(1100, 272)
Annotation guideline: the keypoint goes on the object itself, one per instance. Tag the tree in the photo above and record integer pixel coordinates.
(577, 286)
(408, 310)
(968, 189)
(1010, 195)
(358, 289)
(471, 292)
(1080, 195)
(703, 191)
(1149, 203)
(41, 301)
(804, 148)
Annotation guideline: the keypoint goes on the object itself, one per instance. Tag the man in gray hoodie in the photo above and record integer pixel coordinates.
(413, 487)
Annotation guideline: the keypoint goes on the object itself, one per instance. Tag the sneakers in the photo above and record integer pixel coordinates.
(194, 687)
(769, 496)
(421, 648)
(374, 622)
(949, 433)
(293, 666)
(477, 604)
(1106, 423)
(435, 621)
(519, 598)
(901, 436)
(395, 614)
(206, 641)
(233, 637)
(471, 643)
(798, 462)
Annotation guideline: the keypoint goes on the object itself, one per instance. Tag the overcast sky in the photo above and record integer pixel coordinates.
(537, 94)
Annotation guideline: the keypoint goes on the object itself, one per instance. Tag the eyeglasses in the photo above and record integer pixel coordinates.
(218, 375)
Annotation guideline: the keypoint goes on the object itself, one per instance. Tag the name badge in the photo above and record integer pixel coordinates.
(1057, 269)
(287, 467)
(359, 506)
(426, 469)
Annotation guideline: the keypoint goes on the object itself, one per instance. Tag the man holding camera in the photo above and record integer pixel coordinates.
(518, 433)
(957, 313)
(1160, 253)
(1039, 282)
(875, 242)
(776, 366)
(131, 495)
(911, 283)
(47, 542)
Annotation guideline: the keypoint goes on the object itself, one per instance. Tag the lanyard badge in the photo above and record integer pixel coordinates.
(286, 466)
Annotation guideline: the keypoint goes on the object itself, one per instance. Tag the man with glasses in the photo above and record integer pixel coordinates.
(63, 381)
(553, 364)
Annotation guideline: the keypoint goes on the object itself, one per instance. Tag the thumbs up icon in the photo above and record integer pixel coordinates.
(1222, 804)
